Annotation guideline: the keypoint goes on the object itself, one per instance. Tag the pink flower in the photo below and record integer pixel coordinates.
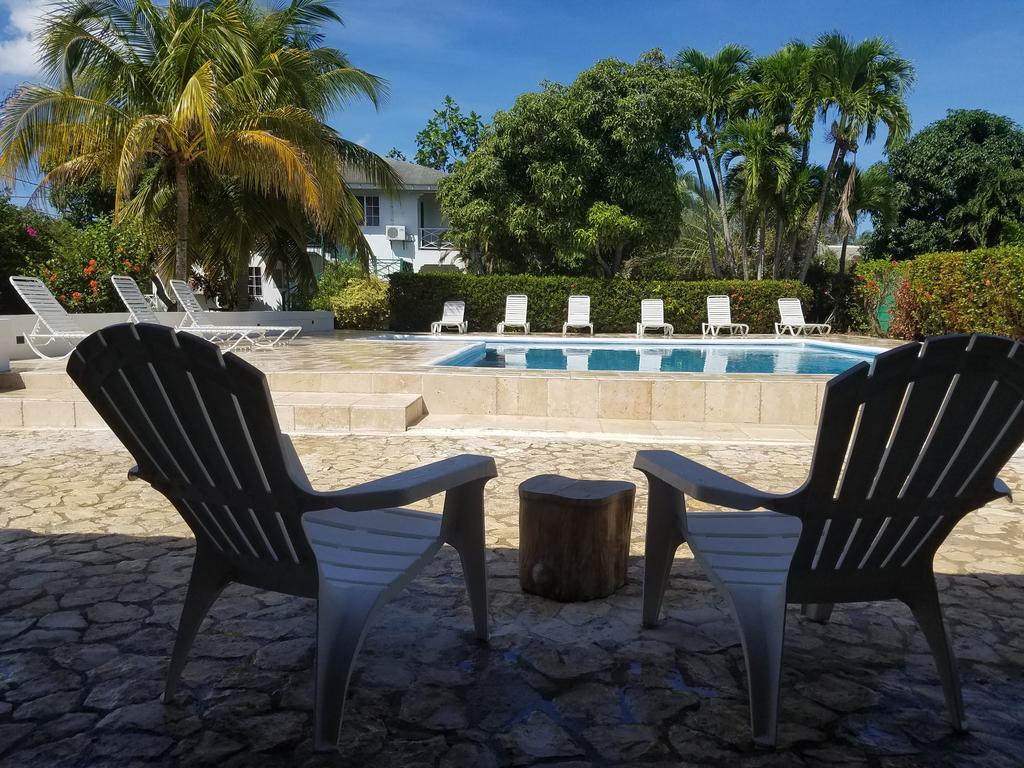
(31, 232)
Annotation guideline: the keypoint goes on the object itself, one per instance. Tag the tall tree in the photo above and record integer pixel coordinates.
(448, 137)
(857, 86)
(870, 196)
(157, 99)
(958, 185)
(715, 82)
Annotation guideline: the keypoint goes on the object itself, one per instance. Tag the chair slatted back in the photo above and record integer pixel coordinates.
(187, 299)
(719, 312)
(906, 447)
(652, 312)
(791, 312)
(454, 312)
(515, 309)
(138, 307)
(38, 298)
(202, 428)
(579, 310)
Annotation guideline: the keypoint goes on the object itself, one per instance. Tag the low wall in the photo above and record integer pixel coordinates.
(14, 327)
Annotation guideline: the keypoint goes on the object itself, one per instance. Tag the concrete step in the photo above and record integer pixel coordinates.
(317, 412)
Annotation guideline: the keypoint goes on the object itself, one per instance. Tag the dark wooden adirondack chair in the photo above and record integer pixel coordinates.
(202, 428)
(906, 447)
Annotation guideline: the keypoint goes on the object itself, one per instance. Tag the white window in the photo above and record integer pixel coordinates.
(255, 282)
(371, 210)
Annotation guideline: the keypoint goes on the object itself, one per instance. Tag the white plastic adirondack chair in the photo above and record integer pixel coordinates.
(202, 427)
(198, 320)
(720, 316)
(53, 324)
(906, 447)
(578, 314)
(453, 315)
(791, 315)
(652, 316)
(515, 313)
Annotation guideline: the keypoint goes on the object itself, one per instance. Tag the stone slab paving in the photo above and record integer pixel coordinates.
(94, 568)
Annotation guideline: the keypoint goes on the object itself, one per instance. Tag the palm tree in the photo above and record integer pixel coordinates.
(766, 160)
(715, 81)
(870, 195)
(858, 86)
(158, 100)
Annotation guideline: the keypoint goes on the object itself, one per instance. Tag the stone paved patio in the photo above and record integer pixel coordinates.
(94, 570)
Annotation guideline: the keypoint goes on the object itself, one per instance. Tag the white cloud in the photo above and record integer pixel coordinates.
(17, 49)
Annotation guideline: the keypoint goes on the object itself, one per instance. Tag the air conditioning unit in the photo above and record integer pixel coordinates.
(395, 232)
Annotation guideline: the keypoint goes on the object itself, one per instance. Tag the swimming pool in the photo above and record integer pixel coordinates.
(710, 357)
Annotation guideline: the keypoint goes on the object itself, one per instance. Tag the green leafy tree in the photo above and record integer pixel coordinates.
(858, 86)
(957, 185)
(82, 203)
(525, 199)
(168, 103)
(448, 137)
(871, 196)
(396, 154)
(27, 240)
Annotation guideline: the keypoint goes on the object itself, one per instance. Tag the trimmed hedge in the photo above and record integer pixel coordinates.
(978, 291)
(417, 298)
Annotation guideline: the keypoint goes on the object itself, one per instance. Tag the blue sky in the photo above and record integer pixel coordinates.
(967, 53)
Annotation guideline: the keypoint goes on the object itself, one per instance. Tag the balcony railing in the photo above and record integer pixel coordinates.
(435, 239)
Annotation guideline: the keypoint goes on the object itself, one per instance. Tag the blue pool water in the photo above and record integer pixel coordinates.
(793, 358)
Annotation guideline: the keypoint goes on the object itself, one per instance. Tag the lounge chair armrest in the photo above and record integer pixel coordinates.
(702, 482)
(409, 486)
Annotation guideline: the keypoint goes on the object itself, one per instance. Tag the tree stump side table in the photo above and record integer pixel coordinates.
(574, 536)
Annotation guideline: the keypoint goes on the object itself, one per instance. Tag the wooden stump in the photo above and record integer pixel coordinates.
(574, 536)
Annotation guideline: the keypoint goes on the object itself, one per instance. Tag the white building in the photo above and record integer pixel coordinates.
(404, 229)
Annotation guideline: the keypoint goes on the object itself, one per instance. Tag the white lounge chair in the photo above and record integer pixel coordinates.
(201, 426)
(453, 315)
(720, 316)
(231, 336)
(515, 313)
(578, 314)
(906, 447)
(53, 324)
(652, 316)
(791, 314)
(139, 310)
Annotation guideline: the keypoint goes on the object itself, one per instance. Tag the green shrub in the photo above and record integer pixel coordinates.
(362, 305)
(416, 300)
(979, 291)
(27, 240)
(332, 281)
(876, 283)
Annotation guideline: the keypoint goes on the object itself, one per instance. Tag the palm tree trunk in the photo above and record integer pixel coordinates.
(780, 231)
(760, 247)
(819, 217)
(181, 225)
(744, 246)
(720, 196)
(842, 254)
(712, 246)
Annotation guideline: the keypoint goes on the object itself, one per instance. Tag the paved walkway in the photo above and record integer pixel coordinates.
(93, 571)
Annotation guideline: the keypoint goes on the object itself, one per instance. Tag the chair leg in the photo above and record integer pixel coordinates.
(463, 529)
(925, 605)
(819, 612)
(204, 586)
(760, 614)
(343, 614)
(665, 508)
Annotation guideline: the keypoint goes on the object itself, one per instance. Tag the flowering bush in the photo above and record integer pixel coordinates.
(78, 274)
(979, 291)
(27, 239)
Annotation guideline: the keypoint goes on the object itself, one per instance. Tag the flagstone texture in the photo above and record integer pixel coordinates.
(93, 572)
